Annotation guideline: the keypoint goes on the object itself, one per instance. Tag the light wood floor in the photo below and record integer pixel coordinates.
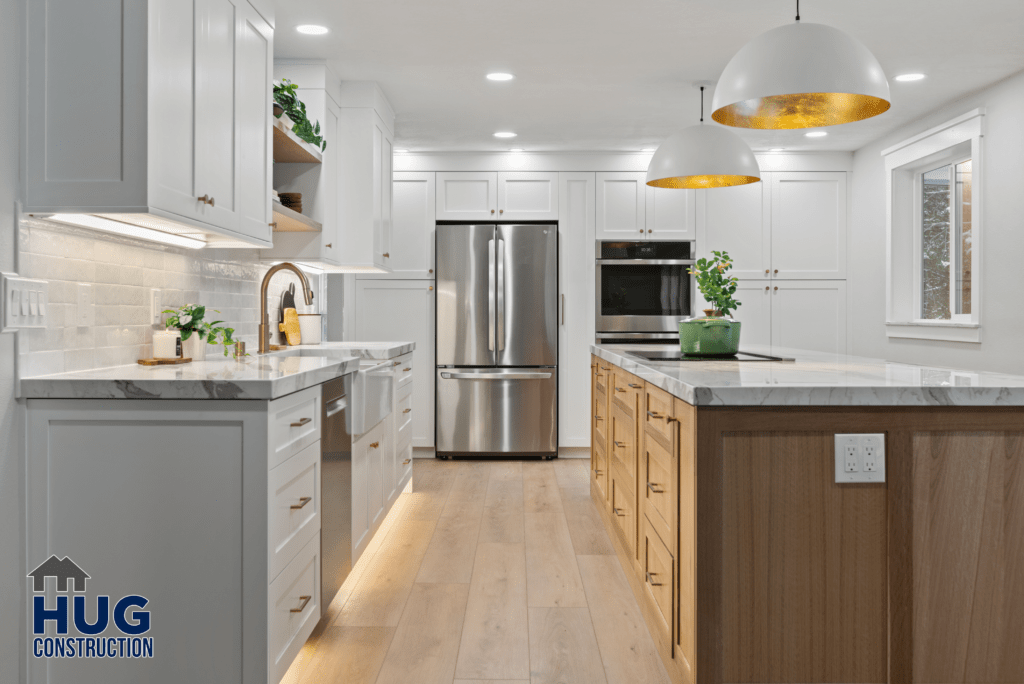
(496, 572)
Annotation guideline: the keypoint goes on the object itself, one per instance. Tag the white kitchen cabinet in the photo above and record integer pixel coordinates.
(576, 317)
(809, 314)
(737, 220)
(671, 214)
(621, 206)
(377, 451)
(412, 227)
(398, 458)
(808, 235)
(527, 196)
(139, 112)
(403, 310)
(467, 196)
(755, 314)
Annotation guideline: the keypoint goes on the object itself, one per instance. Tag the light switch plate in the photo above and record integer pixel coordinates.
(860, 458)
(24, 302)
(86, 306)
(156, 307)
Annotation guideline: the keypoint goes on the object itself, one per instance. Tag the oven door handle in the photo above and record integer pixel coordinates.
(646, 262)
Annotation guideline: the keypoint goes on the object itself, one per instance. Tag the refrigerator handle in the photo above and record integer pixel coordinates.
(501, 295)
(490, 295)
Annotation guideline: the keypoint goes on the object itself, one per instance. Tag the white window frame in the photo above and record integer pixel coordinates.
(954, 141)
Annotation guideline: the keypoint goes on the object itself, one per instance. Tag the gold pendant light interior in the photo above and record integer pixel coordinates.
(801, 110)
(702, 182)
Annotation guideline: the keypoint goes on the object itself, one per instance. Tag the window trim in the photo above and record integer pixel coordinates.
(950, 143)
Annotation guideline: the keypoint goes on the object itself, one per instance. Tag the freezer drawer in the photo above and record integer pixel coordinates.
(497, 411)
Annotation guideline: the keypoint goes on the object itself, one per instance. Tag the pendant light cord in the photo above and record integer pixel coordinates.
(798, 10)
(702, 104)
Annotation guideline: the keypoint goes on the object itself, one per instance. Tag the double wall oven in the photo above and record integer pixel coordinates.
(643, 290)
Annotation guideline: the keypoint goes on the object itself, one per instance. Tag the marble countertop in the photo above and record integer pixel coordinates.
(263, 376)
(815, 379)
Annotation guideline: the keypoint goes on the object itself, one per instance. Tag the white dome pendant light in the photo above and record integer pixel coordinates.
(800, 76)
(703, 157)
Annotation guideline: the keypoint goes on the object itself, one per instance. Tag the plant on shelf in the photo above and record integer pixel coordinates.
(189, 320)
(718, 288)
(284, 95)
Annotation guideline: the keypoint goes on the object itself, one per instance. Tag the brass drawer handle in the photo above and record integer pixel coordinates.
(599, 375)
(374, 445)
(616, 511)
(670, 419)
(635, 386)
(305, 600)
(605, 369)
(598, 418)
(406, 370)
(652, 485)
(598, 472)
(650, 579)
(407, 461)
(619, 389)
(621, 445)
(302, 502)
(206, 199)
(397, 363)
(652, 414)
(301, 422)
(387, 255)
(406, 410)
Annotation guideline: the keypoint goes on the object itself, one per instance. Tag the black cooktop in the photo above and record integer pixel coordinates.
(678, 356)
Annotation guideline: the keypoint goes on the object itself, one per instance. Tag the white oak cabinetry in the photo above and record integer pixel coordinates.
(629, 209)
(151, 113)
(403, 310)
(497, 196)
(209, 509)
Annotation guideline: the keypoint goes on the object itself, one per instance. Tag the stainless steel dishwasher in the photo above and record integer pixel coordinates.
(335, 489)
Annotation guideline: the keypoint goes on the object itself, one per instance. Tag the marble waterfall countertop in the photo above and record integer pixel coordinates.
(814, 379)
(258, 376)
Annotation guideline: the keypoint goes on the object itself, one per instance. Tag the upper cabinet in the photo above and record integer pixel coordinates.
(151, 113)
(791, 225)
(494, 196)
(412, 226)
(629, 209)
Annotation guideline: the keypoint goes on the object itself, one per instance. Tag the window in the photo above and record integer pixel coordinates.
(934, 233)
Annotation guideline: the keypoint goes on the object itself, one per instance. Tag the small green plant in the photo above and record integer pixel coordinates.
(718, 288)
(284, 95)
(189, 320)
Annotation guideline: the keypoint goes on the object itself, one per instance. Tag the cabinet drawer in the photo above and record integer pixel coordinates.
(601, 417)
(658, 485)
(626, 389)
(403, 370)
(403, 415)
(624, 510)
(658, 566)
(622, 441)
(657, 412)
(603, 373)
(404, 459)
(293, 608)
(294, 424)
(293, 507)
(599, 469)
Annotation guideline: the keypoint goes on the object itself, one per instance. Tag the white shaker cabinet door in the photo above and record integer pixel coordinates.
(360, 498)
(412, 226)
(527, 196)
(755, 313)
(216, 144)
(809, 225)
(737, 220)
(809, 314)
(402, 310)
(671, 214)
(379, 437)
(621, 206)
(467, 196)
(387, 245)
(255, 69)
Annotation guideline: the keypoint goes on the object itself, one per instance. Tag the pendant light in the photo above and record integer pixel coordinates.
(703, 157)
(800, 76)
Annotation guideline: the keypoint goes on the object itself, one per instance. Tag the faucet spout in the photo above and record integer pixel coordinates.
(307, 294)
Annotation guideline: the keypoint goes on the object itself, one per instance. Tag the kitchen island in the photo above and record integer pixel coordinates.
(207, 488)
(717, 480)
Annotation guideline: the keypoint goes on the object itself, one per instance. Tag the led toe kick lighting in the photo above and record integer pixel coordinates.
(110, 226)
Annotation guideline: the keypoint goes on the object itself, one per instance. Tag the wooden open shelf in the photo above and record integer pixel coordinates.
(290, 149)
(291, 221)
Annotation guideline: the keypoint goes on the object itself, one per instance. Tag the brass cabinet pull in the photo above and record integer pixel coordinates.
(776, 271)
(641, 230)
(374, 445)
(430, 288)
(621, 445)
(406, 370)
(301, 422)
(501, 211)
(616, 512)
(776, 287)
(652, 414)
(397, 363)
(430, 270)
(387, 255)
(650, 230)
(407, 461)
(273, 225)
(492, 211)
(619, 389)
(305, 600)
(766, 271)
(302, 502)
(598, 472)
(652, 485)
(650, 579)
(766, 288)
(605, 369)
(206, 199)
(635, 386)
(329, 246)
(406, 410)
(598, 418)
(600, 375)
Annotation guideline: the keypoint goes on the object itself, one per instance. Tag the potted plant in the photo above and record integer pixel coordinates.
(714, 334)
(196, 333)
(295, 110)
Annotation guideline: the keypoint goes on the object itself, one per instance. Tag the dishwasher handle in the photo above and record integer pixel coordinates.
(335, 406)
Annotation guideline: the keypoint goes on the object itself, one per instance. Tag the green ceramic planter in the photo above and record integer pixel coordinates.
(709, 336)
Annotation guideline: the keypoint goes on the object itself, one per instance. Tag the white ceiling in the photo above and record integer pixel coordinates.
(617, 74)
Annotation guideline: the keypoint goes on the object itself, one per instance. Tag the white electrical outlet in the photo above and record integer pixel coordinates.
(860, 458)
(24, 303)
(86, 306)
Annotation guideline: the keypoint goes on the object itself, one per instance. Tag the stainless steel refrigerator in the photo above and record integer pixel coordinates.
(497, 340)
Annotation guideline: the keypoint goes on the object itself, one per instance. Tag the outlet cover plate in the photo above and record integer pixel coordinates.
(860, 458)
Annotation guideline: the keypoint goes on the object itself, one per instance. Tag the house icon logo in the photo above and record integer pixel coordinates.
(62, 569)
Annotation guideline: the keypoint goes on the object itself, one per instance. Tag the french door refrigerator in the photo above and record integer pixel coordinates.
(497, 340)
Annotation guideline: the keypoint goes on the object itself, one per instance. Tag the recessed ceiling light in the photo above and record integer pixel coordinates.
(777, 149)
(909, 77)
(816, 134)
(311, 29)
(649, 149)
(499, 76)
(504, 134)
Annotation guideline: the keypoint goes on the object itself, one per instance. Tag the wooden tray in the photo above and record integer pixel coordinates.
(163, 362)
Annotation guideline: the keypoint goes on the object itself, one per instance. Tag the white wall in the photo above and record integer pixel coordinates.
(1002, 276)
(12, 504)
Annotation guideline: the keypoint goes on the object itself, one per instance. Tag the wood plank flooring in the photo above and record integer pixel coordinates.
(486, 573)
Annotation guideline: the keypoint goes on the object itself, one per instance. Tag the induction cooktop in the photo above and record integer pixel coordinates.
(678, 356)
